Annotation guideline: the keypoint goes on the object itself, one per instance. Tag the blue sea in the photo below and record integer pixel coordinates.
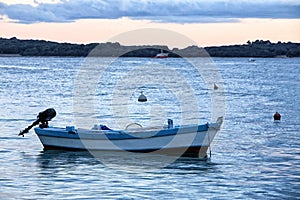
(252, 156)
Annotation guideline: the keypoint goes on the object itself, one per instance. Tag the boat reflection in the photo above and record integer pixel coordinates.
(65, 159)
(52, 161)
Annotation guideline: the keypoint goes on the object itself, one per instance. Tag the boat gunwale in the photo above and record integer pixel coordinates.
(117, 134)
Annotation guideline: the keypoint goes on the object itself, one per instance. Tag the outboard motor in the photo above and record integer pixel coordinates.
(46, 116)
(42, 119)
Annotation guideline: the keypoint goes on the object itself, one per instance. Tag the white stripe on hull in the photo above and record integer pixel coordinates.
(170, 141)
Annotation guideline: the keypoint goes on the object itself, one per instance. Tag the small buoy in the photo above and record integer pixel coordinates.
(215, 86)
(142, 98)
(277, 116)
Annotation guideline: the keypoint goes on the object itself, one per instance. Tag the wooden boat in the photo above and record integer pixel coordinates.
(186, 140)
(189, 140)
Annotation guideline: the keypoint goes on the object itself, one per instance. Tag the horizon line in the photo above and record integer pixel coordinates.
(76, 43)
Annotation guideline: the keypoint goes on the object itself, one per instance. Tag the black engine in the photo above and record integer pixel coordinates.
(46, 116)
(43, 118)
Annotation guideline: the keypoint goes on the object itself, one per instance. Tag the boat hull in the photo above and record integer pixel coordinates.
(194, 152)
(191, 141)
(162, 55)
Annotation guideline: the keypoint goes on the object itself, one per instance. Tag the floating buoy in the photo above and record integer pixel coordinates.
(215, 86)
(277, 116)
(142, 98)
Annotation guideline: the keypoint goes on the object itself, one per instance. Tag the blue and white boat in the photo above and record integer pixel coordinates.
(186, 140)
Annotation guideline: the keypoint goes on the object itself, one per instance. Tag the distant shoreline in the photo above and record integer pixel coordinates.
(14, 47)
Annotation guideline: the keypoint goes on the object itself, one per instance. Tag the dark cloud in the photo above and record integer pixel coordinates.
(177, 11)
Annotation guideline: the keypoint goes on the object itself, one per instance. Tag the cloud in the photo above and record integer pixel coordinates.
(173, 11)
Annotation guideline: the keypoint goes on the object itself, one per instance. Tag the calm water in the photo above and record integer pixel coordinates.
(252, 156)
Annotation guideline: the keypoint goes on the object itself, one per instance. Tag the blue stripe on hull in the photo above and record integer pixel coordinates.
(115, 135)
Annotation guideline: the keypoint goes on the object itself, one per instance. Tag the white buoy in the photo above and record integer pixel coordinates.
(142, 98)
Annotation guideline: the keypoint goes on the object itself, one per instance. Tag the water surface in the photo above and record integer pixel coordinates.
(252, 157)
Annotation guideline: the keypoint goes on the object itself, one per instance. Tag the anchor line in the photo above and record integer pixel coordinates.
(209, 142)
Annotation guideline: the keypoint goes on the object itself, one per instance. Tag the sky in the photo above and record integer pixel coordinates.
(205, 22)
